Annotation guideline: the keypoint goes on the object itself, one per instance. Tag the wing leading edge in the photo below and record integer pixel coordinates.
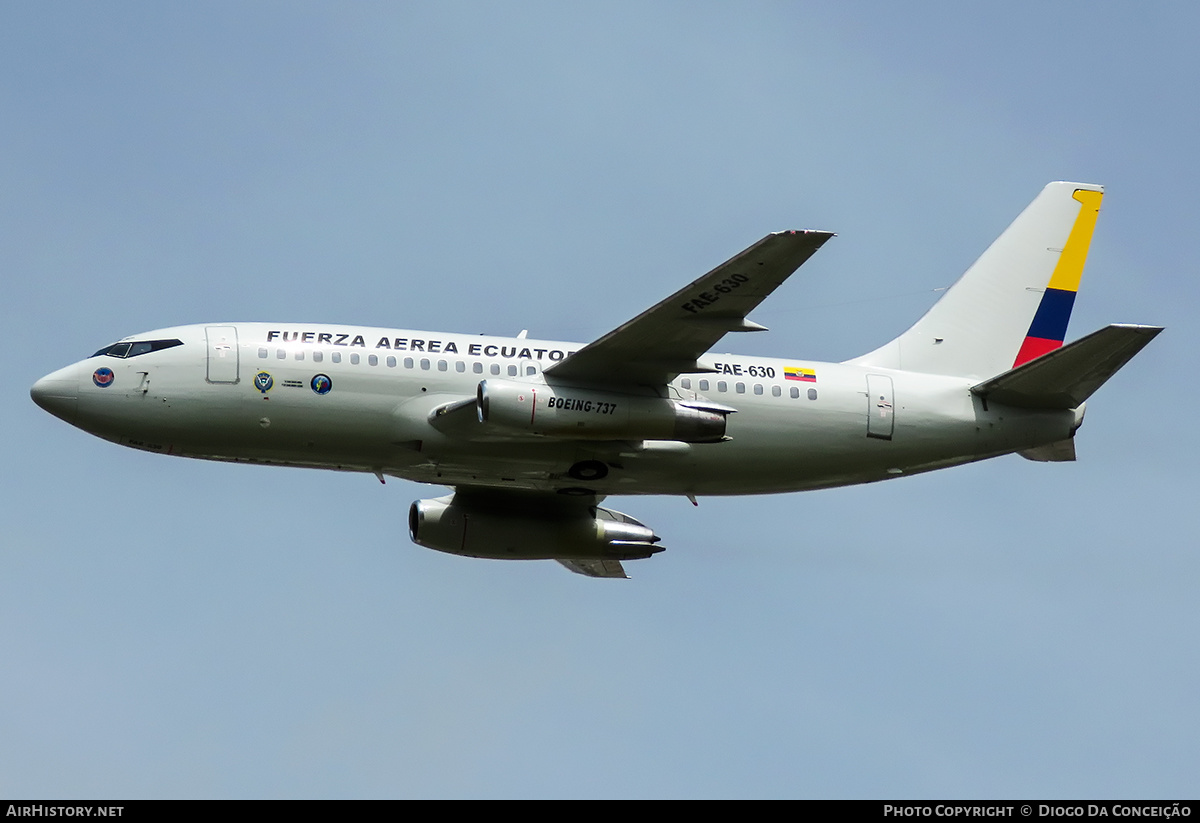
(667, 339)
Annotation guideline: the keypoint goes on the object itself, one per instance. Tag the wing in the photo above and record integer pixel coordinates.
(666, 339)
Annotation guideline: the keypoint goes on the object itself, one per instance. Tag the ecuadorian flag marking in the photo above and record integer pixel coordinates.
(1049, 327)
(793, 373)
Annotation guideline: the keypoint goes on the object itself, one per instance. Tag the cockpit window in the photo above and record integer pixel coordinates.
(115, 350)
(137, 347)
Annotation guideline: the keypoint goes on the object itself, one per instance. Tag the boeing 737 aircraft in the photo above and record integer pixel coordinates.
(531, 435)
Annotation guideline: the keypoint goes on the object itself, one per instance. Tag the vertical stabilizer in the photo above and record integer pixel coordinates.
(1013, 304)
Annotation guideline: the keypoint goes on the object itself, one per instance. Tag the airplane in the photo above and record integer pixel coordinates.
(532, 435)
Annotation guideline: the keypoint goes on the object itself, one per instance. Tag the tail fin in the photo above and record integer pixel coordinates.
(1014, 302)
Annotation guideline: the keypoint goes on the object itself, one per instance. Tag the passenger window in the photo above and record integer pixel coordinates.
(262, 353)
(354, 358)
(391, 361)
(758, 388)
(686, 383)
(495, 368)
(372, 360)
(281, 354)
(795, 392)
(703, 385)
(740, 387)
(336, 357)
(721, 385)
(442, 364)
(531, 370)
(318, 356)
(299, 355)
(477, 368)
(776, 391)
(812, 394)
(408, 362)
(512, 371)
(424, 364)
(460, 366)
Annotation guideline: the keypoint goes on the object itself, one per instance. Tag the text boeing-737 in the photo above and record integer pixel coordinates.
(532, 435)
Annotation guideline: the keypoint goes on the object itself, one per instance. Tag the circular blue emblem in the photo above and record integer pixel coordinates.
(103, 377)
(321, 384)
(263, 382)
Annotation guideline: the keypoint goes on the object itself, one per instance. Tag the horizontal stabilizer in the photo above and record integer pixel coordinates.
(1065, 377)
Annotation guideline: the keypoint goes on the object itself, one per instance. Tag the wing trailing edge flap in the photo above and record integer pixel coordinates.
(1062, 451)
(1065, 377)
(596, 568)
(668, 339)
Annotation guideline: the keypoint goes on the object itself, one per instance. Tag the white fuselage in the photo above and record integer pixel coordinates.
(256, 393)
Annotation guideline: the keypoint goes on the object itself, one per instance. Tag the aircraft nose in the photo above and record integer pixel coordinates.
(58, 393)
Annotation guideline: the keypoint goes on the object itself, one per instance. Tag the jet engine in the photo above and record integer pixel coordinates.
(508, 527)
(585, 413)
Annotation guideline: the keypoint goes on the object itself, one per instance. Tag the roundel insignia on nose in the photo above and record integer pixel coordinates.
(321, 384)
(103, 377)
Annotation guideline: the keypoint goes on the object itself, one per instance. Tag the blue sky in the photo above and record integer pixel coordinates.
(173, 628)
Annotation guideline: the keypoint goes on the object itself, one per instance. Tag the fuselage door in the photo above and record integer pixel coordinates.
(528, 369)
(222, 354)
(881, 413)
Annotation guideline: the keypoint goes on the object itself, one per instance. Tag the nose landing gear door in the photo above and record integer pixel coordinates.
(222, 354)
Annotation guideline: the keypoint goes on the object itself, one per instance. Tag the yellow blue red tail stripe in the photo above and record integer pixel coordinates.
(1049, 327)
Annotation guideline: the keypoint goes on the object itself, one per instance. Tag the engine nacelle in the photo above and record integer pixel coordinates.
(589, 414)
(517, 532)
